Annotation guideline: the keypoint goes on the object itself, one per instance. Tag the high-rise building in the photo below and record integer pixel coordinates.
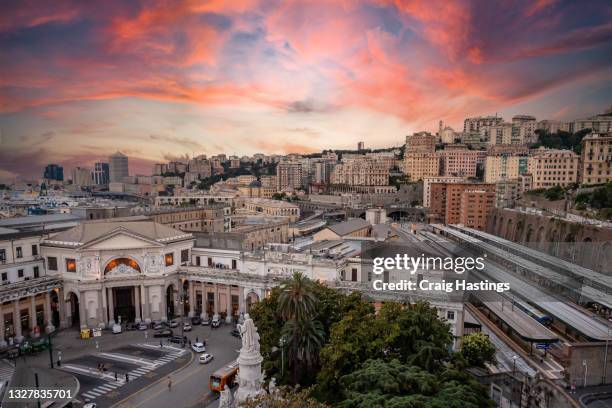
(500, 167)
(101, 174)
(458, 160)
(363, 172)
(428, 181)
(288, 175)
(596, 158)
(54, 172)
(481, 124)
(360, 146)
(597, 123)
(81, 177)
(118, 167)
(552, 167)
(462, 203)
(419, 158)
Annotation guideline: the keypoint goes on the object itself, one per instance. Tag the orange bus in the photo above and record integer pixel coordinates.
(224, 375)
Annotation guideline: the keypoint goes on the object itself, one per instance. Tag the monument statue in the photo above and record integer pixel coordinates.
(272, 389)
(249, 335)
(249, 362)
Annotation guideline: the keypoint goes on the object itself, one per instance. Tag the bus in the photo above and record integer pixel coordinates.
(224, 375)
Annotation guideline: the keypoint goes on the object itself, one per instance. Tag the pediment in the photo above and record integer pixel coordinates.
(121, 240)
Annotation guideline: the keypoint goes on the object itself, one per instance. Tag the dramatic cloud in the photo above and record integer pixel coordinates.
(158, 79)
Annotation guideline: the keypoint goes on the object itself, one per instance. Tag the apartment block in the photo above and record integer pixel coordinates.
(361, 172)
(500, 167)
(596, 158)
(459, 161)
(289, 175)
(451, 202)
(552, 167)
(429, 181)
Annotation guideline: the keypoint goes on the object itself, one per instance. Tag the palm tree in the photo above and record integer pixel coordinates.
(304, 338)
(296, 300)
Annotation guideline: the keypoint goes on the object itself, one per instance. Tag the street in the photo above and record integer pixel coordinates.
(146, 364)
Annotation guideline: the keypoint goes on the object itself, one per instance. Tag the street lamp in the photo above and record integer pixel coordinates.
(586, 367)
(514, 358)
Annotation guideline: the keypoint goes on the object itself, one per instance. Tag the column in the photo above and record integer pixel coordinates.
(137, 304)
(111, 307)
(2, 328)
(216, 300)
(48, 313)
(163, 307)
(241, 310)
(192, 299)
(82, 310)
(228, 318)
(68, 310)
(104, 308)
(33, 321)
(144, 299)
(17, 321)
(203, 314)
(100, 310)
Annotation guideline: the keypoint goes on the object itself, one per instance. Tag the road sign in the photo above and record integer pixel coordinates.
(543, 346)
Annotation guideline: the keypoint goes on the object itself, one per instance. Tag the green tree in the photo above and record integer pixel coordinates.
(305, 337)
(285, 397)
(477, 349)
(296, 300)
(394, 384)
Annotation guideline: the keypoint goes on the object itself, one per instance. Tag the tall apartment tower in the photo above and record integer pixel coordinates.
(360, 146)
(101, 174)
(118, 167)
(54, 172)
(81, 177)
(288, 175)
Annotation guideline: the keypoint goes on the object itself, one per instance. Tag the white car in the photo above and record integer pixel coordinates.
(187, 327)
(116, 328)
(198, 347)
(206, 358)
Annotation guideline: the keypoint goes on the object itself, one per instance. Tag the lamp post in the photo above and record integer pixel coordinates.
(182, 298)
(514, 358)
(586, 367)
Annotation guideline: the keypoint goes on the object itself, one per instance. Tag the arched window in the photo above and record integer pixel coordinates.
(121, 261)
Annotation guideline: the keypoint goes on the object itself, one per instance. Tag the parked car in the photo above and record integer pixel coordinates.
(205, 358)
(178, 339)
(131, 326)
(216, 322)
(196, 320)
(235, 333)
(158, 325)
(142, 326)
(163, 333)
(117, 328)
(206, 322)
(198, 347)
(187, 327)
(173, 323)
(90, 405)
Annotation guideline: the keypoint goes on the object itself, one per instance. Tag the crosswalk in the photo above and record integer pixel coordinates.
(110, 384)
(6, 371)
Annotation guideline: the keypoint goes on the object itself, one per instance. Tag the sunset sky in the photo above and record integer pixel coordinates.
(162, 79)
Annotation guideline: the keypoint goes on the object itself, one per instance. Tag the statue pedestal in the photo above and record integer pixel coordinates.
(250, 376)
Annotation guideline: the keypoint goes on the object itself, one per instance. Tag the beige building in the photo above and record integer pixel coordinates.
(81, 177)
(355, 227)
(267, 207)
(428, 181)
(360, 172)
(596, 158)
(459, 161)
(551, 167)
(288, 175)
(420, 159)
(500, 167)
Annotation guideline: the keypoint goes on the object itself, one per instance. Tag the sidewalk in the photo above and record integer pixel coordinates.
(24, 377)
